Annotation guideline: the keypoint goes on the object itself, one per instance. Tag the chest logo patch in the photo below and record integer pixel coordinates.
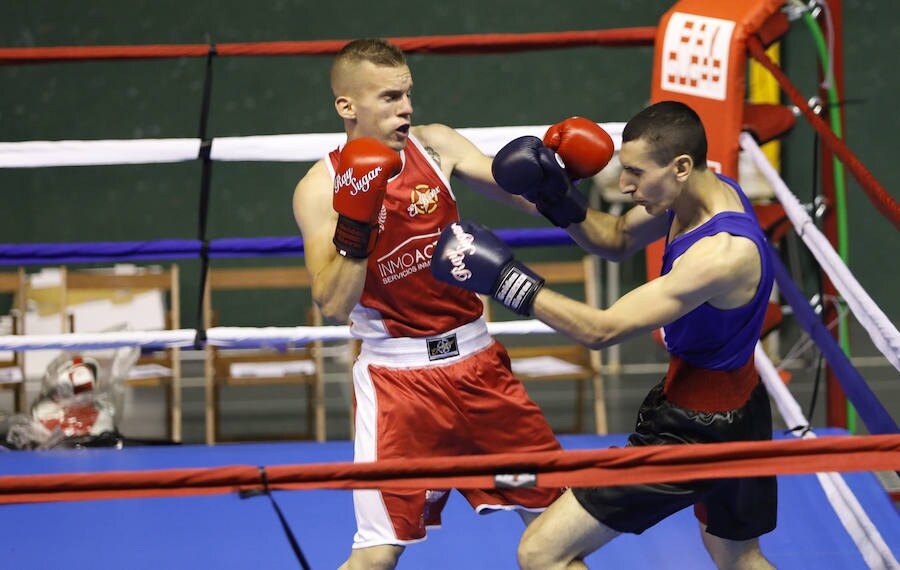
(423, 200)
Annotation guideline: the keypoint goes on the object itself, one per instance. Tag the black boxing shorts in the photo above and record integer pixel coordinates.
(734, 509)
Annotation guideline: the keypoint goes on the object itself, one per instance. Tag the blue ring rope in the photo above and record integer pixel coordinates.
(869, 408)
(154, 250)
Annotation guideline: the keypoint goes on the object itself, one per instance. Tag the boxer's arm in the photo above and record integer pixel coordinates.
(617, 237)
(337, 281)
(458, 156)
(722, 270)
(583, 148)
(470, 256)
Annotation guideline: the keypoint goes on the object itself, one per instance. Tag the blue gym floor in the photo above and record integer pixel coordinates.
(228, 532)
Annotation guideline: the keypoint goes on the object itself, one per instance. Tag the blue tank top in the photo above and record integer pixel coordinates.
(712, 338)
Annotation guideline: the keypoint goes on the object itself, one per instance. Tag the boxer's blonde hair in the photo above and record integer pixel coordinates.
(376, 51)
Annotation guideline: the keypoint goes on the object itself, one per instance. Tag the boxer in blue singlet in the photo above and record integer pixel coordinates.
(711, 300)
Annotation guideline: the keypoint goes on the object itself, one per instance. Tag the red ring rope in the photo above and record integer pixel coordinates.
(461, 44)
(579, 468)
(883, 201)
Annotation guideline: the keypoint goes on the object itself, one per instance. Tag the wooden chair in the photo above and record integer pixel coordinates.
(563, 359)
(163, 368)
(16, 285)
(235, 367)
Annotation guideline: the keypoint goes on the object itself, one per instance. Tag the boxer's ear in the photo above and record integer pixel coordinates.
(683, 165)
(345, 107)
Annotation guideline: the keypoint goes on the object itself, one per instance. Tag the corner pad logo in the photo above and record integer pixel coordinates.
(695, 55)
(423, 200)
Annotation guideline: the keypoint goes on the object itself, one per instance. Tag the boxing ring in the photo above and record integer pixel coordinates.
(228, 531)
(236, 506)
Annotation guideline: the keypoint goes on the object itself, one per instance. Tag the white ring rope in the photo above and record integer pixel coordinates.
(271, 148)
(307, 147)
(267, 148)
(857, 523)
(882, 332)
(226, 337)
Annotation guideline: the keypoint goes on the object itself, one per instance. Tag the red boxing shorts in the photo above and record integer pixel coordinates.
(442, 396)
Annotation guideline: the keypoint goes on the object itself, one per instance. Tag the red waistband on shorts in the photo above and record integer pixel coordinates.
(708, 390)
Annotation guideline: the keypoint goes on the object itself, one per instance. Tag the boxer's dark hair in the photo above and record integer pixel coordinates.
(671, 128)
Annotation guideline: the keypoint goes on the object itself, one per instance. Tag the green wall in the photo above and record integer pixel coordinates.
(271, 95)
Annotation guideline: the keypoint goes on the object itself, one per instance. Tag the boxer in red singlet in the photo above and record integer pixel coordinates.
(429, 380)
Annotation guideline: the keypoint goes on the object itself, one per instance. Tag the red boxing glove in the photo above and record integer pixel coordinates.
(582, 144)
(360, 183)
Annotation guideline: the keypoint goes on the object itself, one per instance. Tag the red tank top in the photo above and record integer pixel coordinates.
(400, 297)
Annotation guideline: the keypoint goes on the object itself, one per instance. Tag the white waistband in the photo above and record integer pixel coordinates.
(425, 351)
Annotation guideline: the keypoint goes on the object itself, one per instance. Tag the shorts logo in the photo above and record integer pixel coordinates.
(423, 200)
(515, 480)
(442, 347)
(695, 55)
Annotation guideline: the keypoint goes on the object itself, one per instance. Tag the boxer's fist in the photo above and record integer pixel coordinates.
(517, 166)
(470, 256)
(526, 167)
(584, 147)
(360, 183)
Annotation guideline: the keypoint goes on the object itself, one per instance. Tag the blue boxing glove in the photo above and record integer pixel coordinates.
(470, 256)
(528, 168)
